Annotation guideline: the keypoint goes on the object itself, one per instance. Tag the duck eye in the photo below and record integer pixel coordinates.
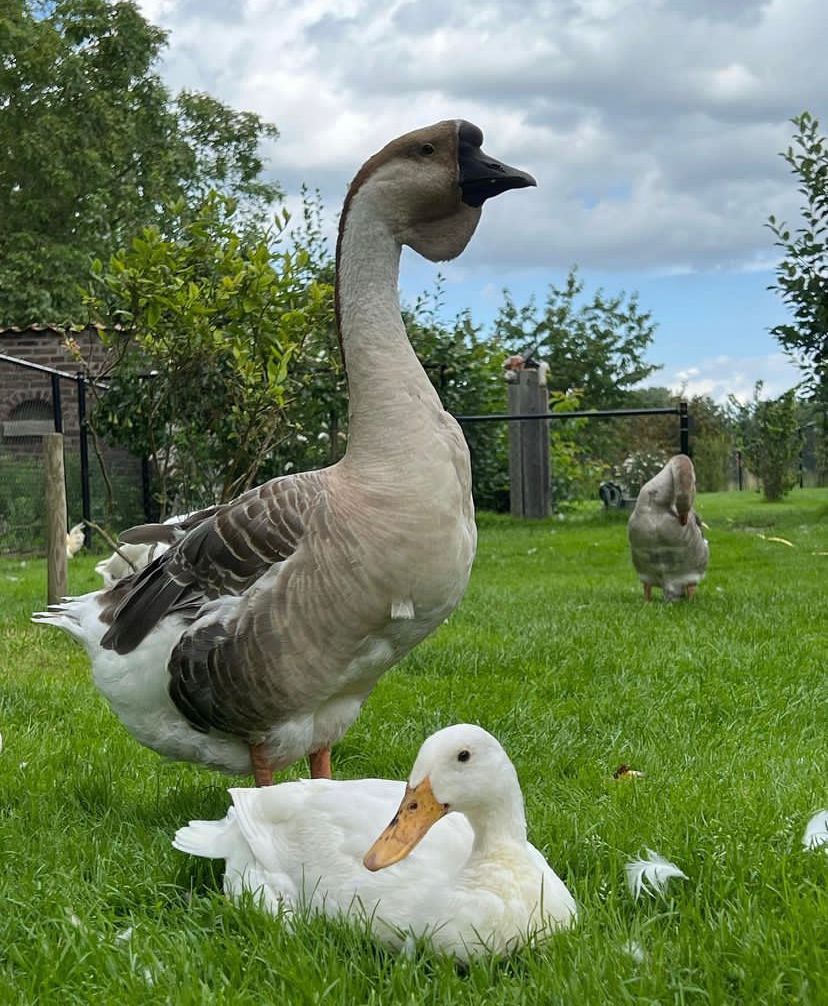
(427, 149)
(464, 755)
(412, 805)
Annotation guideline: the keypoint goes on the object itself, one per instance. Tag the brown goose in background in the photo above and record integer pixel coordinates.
(666, 541)
(254, 639)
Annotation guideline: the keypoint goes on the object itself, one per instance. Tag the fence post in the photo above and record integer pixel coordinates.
(86, 501)
(57, 410)
(529, 444)
(146, 489)
(515, 453)
(55, 517)
(684, 429)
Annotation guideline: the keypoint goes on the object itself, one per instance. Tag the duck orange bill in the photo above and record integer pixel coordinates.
(418, 812)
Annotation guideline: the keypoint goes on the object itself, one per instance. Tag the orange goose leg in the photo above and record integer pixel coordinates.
(648, 591)
(262, 772)
(320, 763)
(691, 590)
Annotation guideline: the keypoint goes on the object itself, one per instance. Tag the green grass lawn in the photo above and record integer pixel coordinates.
(721, 702)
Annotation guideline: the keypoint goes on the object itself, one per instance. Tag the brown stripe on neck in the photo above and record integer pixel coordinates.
(387, 153)
(391, 150)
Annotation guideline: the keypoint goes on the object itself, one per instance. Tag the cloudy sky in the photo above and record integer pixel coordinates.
(652, 126)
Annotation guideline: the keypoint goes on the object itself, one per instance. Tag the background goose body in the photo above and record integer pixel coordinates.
(666, 541)
(469, 881)
(256, 636)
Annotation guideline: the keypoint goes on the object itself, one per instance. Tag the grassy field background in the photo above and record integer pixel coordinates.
(722, 703)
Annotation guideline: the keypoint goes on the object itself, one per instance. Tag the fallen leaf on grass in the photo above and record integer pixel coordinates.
(625, 772)
(782, 541)
(651, 874)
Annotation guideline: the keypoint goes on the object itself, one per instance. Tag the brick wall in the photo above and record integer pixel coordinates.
(19, 387)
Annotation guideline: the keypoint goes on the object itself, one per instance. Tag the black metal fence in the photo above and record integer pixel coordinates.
(680, 410)
(103, 484)
(110, 487)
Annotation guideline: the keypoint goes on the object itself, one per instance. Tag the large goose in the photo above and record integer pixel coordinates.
(255, 638)
(666, 541)
(465, 875)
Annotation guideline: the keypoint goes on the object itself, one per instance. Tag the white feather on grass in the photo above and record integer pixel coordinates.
(651, 874)
(816, 831)
(635, 950)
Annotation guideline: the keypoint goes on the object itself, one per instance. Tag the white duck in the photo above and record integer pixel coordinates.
(140, 545)
(74, 541)
(472, 885)
(256, 637)
(665, 533)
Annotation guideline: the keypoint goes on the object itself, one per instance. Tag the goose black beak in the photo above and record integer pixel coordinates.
(482, 177)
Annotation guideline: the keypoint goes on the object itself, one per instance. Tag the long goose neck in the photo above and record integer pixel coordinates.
(379, 360)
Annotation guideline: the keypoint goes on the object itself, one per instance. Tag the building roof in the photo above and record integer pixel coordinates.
(45, 329)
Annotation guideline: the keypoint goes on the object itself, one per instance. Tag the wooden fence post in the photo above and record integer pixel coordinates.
(55, 516)
(529, 444)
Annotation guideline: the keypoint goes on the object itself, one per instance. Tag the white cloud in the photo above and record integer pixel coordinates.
(653, 127)
(722, 376)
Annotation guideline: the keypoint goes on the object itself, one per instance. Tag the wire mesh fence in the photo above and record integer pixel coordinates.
(38, 402)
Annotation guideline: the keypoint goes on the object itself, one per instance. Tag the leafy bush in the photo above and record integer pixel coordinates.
(638, 468)
(201, 329)
(770, 440)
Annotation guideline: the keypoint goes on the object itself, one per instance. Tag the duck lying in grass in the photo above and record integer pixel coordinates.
(666, 541)
(453, 866)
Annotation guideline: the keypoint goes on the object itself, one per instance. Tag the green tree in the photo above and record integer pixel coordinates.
(94, 147)
(200, 330)
(769, 437)
(802, 275)
(316, 400)
(466, 368)
(711, 433)
(594, 347)
(712, 437)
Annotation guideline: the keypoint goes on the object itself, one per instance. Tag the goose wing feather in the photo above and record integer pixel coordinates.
(167, 533)
(209, 577)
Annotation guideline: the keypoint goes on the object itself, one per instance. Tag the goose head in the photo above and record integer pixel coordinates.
(429, 185)
(461, 768)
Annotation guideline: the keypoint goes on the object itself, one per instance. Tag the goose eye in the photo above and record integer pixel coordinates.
(464, 755)
(427, 149)
(413, 805)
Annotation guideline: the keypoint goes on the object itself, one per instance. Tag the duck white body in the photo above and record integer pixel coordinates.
(667, 545)
(259, 632)
(472, 885)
